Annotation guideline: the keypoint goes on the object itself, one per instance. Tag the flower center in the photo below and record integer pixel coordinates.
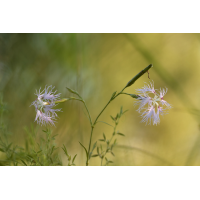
(41, 104)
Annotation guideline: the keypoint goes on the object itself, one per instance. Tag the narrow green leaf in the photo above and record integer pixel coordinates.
(121, 110)
(125, 111)
(85, 149)
(53, 137)
(52, 150)
(65, 150)
(121, 134)
(74, 159)
(95, 144)
(24, 163)
(112, 153)
(113, 95)
(117, 116)
(98, 150)
(112, 118)
(39, 151)
(72, 91)
(104, 137)
(102, 140)
(95, 155)
(105, 123)
(8, 147)
(69, 158)
(1, 150)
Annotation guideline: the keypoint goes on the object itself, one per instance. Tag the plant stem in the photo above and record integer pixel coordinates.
(88, 113)
(127, 85)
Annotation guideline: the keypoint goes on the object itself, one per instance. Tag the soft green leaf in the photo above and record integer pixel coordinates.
(65, 150)
(121, 110)
(85, 149)
(95, 155)
(124, 111)
(113, 95)
(53, 137)
(72, 91)
(52, 150)
(24, 163)
(98, 150)
(95, 144)
(1, 150)
(69, 158)
(102, 140)
(117, 116)
(112, 153)
(112, 118)
(74, 158)
(106, 123)
(121, 134)
(8, 147)
(104, 137)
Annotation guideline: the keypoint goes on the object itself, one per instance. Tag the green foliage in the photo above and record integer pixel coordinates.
(40, 149)
(69, 157)
(107, 143)
(44, 152)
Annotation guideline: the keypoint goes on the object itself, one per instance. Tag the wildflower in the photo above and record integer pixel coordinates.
(151, 103)
(45, 114)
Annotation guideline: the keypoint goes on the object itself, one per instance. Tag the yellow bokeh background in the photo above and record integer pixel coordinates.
(96, 65)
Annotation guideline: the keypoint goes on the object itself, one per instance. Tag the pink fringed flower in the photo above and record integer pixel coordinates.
(45, 114)
(151, 104)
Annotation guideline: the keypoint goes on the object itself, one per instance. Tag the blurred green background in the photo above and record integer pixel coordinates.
(96, 65)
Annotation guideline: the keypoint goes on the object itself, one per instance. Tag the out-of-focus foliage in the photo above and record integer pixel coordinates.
(96, 65)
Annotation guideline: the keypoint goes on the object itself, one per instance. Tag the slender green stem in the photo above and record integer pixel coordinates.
(92, 127)
(88, 113)
(93, 124)
(108, 104)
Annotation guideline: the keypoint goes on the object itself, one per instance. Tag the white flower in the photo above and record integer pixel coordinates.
(43, 104)
(151, 104)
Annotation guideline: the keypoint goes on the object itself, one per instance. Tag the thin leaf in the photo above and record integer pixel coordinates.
(112, 118)
(125, 111)
(85, 149)
(1, 150)
(74, 158)
(112, 153)
(98, 150)
(65, 150)
(69, 158)
(102, 140)
(73, 91)
(95, 144)
(121, 110)
(113, 95)
(117, 116)
(121, 134)
(106, 123)
(39, 151)
(104, 137)
(24, 163)
(95, 155)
